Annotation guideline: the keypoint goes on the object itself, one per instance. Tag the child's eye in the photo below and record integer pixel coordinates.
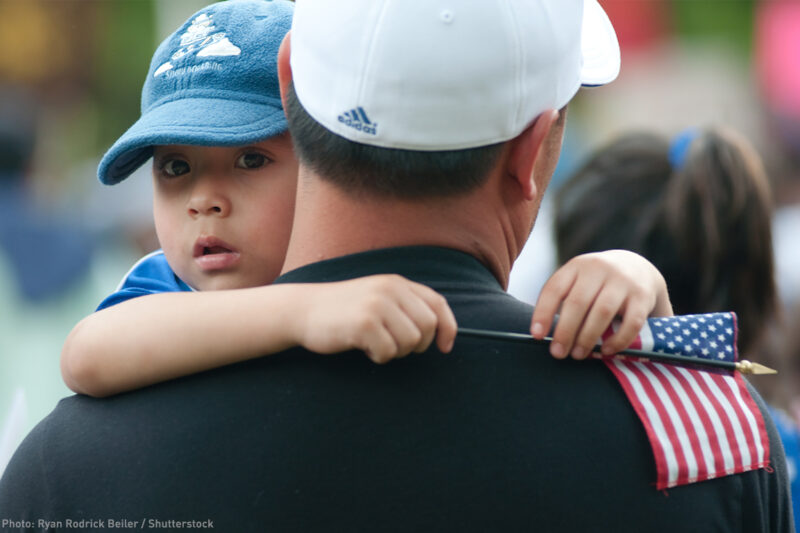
(251, 160)
(175, 167)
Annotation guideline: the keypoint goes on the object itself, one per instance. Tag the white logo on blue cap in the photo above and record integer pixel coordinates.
(198, 39)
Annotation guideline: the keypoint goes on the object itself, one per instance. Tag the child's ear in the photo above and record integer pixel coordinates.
(284, 67)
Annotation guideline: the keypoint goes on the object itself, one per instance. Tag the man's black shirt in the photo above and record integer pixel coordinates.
(494, 436)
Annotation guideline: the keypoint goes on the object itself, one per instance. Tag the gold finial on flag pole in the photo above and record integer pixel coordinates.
(747, 367)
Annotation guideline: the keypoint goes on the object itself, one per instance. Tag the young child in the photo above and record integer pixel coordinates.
(224, 176)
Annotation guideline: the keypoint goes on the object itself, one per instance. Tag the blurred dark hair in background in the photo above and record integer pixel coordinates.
(700, 212)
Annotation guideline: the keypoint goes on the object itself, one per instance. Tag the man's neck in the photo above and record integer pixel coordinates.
(329, 223)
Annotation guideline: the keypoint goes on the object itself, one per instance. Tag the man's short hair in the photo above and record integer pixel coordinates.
(386, 172)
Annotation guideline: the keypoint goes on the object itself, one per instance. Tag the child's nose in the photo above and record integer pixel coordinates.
(208, 199)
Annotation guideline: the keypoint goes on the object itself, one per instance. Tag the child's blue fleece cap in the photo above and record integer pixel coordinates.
(214, 82)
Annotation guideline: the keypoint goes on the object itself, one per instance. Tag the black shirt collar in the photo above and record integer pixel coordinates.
(437, 267)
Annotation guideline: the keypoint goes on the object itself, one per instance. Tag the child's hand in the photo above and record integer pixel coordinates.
(593, 289)
(386, 316)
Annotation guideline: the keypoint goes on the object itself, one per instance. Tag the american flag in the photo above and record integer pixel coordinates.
(701, 424)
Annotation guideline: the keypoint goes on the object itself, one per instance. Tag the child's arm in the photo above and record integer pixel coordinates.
(592, 290)
(154, 338)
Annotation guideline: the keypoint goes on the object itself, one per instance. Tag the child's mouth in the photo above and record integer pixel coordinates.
(211, 253)
(209, 250)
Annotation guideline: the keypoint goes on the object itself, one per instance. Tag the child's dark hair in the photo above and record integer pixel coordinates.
(703, 219)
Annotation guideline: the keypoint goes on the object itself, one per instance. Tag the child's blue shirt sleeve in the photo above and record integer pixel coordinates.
(150, 275)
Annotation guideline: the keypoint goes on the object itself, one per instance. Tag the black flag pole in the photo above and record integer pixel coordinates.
(745, 367)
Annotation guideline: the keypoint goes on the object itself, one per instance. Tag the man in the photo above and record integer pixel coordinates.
(427, 132)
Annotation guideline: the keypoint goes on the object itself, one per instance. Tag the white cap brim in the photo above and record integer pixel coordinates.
(599, 46)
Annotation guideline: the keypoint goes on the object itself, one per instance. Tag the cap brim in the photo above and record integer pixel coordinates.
(599, 45)
(194, 121)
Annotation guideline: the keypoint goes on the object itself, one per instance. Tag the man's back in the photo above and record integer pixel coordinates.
(480, 439)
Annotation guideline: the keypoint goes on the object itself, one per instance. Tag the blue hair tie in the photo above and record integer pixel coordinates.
(680, 147)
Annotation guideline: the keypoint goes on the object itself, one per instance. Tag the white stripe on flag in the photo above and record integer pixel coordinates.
(751, 421)
(654, 418)
(719, 430)
(677, 423)
(646, 337)
(741, 439)
(689, 406)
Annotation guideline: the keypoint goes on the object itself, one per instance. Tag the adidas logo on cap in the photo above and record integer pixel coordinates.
(357, 119)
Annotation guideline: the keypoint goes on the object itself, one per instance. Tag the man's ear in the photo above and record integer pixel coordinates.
(525, 150)
(284, 67)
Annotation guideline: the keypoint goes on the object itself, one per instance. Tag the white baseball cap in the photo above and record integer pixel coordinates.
(445, 74)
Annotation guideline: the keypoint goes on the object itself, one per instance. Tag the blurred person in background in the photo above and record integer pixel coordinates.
(45, 267)
(45, 251)
(788, 340)
(777, 53)
(682, 59)
(700, 209)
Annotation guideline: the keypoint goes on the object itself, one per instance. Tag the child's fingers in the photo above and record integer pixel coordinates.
(403, 317)
(422, 317)
(444, 325)
(573, 312)
(379, 345)
(448, 327)
(604, 309)
(550, 298)
(402, 326)
(633, 321)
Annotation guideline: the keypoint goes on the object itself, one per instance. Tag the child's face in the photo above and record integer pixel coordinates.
(223, 215)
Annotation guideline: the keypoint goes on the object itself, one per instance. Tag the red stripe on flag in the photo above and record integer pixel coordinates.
(730, 436)
(666, 420)
(748, 416)
(739, 422)
(692, 437)
(637, 343)
(663, 397)
(659, 453)
(762, 428)
(711, 446)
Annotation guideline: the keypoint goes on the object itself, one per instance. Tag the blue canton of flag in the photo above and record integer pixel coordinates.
(708, 336)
